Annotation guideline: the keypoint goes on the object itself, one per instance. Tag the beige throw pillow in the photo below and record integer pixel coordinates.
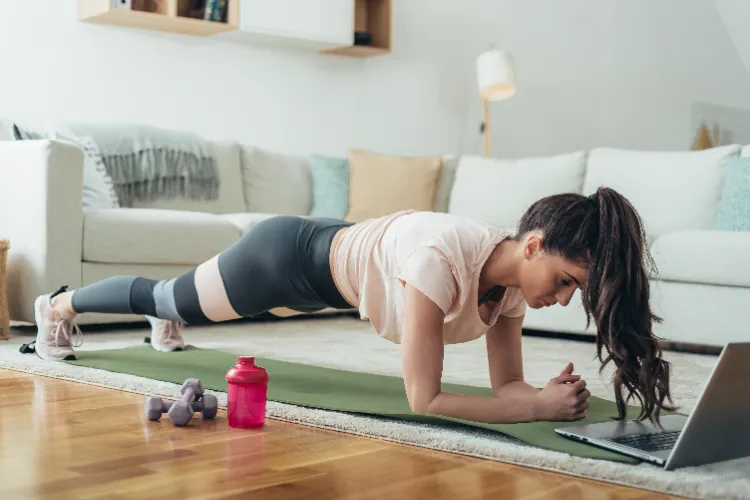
(381, 184)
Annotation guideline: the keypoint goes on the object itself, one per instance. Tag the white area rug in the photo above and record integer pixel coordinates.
(350, 344)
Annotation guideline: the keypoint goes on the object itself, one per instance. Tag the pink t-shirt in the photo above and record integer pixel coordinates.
(439, 254)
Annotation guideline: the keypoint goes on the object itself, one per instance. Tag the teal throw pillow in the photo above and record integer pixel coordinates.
(734, 207)
(330, 179)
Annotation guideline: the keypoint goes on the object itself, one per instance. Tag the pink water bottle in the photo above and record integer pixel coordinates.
(247, 389)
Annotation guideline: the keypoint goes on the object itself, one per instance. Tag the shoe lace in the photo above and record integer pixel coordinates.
(63, 328)
(176, 329)
(170, 330)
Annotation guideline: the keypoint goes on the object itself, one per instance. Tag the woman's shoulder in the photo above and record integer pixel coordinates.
(444, 220)
(448, 231)
(469, 232)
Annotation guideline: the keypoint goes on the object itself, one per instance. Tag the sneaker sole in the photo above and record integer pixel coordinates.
(37, 318)
(159, 347)
(164, 349)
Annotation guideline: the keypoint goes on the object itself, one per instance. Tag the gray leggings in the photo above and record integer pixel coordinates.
(280, 262)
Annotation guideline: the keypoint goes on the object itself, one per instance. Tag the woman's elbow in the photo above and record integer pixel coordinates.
(419, 406)
(421, 403)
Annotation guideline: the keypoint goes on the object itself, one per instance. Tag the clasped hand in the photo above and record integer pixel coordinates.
(565, 397)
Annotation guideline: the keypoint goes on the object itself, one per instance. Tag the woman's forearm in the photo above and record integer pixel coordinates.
(519, 387)
(513, 402)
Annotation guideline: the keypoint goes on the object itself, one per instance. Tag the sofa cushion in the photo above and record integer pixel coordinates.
(672, 191)
(703, 256)
(246, 220)
(499, 191)
(276, 183)
(154, 236)
(734, 207)
(330, 184)
(231, 198)
(6, 130)
(445, 182)
(381, 184)
(745, 151)
(98, 186)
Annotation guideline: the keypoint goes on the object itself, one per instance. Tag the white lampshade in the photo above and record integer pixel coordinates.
(496, 75)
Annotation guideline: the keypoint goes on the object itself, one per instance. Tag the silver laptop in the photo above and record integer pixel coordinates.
(717, 429)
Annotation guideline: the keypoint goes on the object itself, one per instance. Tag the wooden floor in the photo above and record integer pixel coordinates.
(68, 440)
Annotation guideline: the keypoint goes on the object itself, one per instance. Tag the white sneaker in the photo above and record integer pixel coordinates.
(166, 335)
(54, 331)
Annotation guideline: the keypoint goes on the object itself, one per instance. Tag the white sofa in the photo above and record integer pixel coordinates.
(702, 289)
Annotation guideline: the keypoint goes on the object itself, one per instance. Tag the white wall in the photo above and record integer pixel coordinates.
(734, 15)
(591, 72)
(608, 72)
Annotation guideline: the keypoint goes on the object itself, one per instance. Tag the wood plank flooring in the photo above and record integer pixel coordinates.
(65, 440)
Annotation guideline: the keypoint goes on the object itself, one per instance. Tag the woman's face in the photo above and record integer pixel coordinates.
(548, 279)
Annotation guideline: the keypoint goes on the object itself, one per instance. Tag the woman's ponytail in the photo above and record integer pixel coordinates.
(618, 298)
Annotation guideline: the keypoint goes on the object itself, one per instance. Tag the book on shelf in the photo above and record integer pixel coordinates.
(216, 10)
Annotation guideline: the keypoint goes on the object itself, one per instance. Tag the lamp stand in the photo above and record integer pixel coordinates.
(486, 127)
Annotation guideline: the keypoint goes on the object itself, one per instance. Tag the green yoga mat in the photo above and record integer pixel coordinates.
(338, 390)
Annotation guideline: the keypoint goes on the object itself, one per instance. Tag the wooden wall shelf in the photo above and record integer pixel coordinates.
(373, 17)
(370, 16)
(356, 51)
(170, 21)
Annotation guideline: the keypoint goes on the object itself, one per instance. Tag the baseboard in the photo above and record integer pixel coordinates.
(665, 344)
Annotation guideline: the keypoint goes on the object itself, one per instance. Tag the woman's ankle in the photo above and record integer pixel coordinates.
(63, 304)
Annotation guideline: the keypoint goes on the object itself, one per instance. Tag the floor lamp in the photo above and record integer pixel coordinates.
(496, 77)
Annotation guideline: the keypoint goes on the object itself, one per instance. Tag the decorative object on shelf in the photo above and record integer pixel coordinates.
(216, 10)
(496, 78)
(362, 31)
(702, 139)
(362, 38)
(153, 6)
(196, 10)
(372, 30)
(163, 6)
(122, 4)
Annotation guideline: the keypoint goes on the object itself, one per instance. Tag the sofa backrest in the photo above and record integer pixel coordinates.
(671, 190)
(256, 179)
(281, 183)
(231, 197)
(276, 182)
(499, 191)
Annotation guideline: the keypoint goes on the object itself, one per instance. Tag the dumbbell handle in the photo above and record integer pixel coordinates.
(197, 406)
(189, 396)
(206, 405)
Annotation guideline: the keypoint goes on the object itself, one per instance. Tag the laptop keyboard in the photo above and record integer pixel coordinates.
(649, 442)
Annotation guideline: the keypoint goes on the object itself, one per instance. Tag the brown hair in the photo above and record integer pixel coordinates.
(606, 232)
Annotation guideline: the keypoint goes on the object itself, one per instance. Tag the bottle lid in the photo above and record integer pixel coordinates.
(247, 372)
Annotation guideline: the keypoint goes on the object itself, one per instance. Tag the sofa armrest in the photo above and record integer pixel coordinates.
(41, 185)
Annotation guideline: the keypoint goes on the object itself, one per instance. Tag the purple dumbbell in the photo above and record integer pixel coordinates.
(181, 412)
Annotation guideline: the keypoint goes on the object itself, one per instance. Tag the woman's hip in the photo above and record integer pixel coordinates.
(288, 257)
